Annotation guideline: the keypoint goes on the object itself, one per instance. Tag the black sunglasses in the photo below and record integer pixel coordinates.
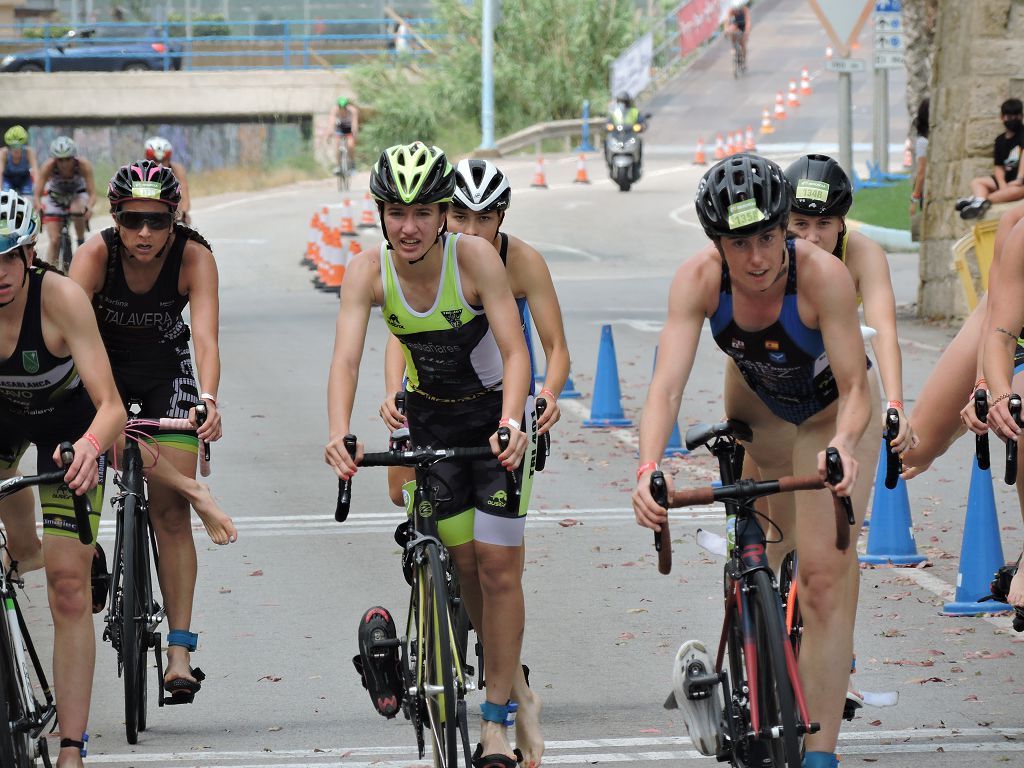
(139, 219)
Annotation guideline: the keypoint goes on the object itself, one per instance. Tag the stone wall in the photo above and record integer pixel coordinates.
(979, 56)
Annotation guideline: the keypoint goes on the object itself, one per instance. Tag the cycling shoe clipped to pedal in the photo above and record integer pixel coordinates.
(697, 693)
(100, 579)
(378, 661)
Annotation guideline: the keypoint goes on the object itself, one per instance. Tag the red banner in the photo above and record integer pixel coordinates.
(698, 20)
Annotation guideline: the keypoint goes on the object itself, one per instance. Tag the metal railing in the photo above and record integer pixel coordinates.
(539, 132)
(211, 44)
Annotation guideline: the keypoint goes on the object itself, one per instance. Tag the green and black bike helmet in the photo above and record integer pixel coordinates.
(411, 174)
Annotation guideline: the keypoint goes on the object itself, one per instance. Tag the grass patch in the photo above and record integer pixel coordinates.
(246, 178)
(883, 206)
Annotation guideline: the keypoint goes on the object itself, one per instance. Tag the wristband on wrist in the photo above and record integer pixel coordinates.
(1000, 399)
(507, 422)
(650, 465)
(980, 384)
(208, 396)
(895, 404)
(548, 392)
(91, 439)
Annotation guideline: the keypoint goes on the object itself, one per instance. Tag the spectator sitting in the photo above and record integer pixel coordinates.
(1004, 185)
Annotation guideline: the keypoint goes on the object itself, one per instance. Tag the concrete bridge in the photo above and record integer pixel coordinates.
(103, 98)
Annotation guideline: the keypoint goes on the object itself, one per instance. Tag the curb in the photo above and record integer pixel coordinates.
(896, 240)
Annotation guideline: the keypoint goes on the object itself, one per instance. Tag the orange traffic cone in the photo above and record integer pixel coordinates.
(369, 219)
(908, 155)
(780, 106)
(750, 145)
(312, 240)
(766, 122)
(730, 143)
(698, 157)
(538, 175)
(326, 272)
(347, 226)
(354, 248)
(581, 171)
(805, 82)
(792, 100)
(719, 148)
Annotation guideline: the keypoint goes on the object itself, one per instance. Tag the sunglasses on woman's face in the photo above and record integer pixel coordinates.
(139, 219)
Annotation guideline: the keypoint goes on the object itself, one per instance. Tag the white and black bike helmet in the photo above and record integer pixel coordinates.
(158, 149)
(19, 222)
(481, 186)
(62, 147)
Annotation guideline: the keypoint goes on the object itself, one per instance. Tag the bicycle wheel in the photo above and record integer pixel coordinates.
(64, 254)
(791, 601)
(15, 746)
(774, 690)
(146, 601)
(134, 635)
(438, 662)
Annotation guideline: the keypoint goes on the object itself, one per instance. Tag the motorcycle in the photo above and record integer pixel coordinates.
(623, 153)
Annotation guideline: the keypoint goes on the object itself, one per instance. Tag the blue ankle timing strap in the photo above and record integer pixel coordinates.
(494, 713)
(183, 638)
(820, 760)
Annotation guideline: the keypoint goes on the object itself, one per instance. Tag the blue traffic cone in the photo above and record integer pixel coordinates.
(981, 553)
(891, 538)
(675, 441)
(569, 391)
(606, 408)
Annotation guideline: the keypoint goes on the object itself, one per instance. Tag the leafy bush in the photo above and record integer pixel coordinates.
(218, 29)
(39, 33)
(549, 55)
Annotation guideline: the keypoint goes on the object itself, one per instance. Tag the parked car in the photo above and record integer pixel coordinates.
(99, 49)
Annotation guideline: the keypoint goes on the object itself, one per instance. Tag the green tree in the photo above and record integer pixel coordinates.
(550, 55)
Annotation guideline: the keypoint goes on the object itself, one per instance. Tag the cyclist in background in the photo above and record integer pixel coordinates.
(738, 24)
(65, 185)
(140, 274)
(482, 195)
(159, 150)
(785, 312)
(449, 293)
(55, 385)
(345, 119)
(18, 161)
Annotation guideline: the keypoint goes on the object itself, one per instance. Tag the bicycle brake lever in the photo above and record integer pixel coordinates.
(659, 492)
(83, 509)
(981, 441)
(345, 486)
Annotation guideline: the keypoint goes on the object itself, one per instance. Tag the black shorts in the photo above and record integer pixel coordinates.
(344, 129)
(164, 387)
(482, 484)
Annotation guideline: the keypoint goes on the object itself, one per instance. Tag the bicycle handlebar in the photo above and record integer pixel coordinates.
(416, 457)
(893, 463)
(543, 441)
(1010, 477)
(981, 441)
(83, 509)
(182, 425)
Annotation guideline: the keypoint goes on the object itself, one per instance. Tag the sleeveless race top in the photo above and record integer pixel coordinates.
(34, 383)
(138, 328)
(17, 175)
(59, 187)
(785, 364)
(450, 352)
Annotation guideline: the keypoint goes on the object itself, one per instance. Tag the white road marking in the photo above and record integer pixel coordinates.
(675, 215)
(248, 200)
(908, 741)
(539, 245)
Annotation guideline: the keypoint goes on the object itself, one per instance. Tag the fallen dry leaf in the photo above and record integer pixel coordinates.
(256, 573)
(569, 522)
(270, 678)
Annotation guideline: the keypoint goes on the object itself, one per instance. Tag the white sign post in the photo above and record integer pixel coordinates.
(631, 72)
(843, 21)
(888, 28)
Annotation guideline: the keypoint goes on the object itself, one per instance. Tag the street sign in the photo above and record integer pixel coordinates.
(842, 20)
(845, 65)
(889, 43)
(888, 6)
(888, 60)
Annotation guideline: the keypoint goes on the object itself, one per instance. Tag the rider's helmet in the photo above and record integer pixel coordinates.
(737, 4)
(63, 147)
(19, 222)
(481, 186)
(342, 101)
(624, 98)
(742, 196)
(16, 136)
(143, 180)
(412, 174)
(820, 186)
(158, 149)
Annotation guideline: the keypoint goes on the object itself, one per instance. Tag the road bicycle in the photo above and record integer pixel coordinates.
(739, 58)
(342, 170)
(134, 614)
(764, 714)
(65, 251)
(23, 716)
(432, 665)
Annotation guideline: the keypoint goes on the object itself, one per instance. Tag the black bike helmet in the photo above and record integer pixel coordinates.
(820, 186)
(412, 174)
(143, 180)
(742, 196)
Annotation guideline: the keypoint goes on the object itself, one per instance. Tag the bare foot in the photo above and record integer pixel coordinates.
(494, 739)
(912, 472)
(1015, 595)
(219, 526)
(529, 739)
(178, 665)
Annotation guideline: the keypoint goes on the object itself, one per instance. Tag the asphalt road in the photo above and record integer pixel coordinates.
(277, 611)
